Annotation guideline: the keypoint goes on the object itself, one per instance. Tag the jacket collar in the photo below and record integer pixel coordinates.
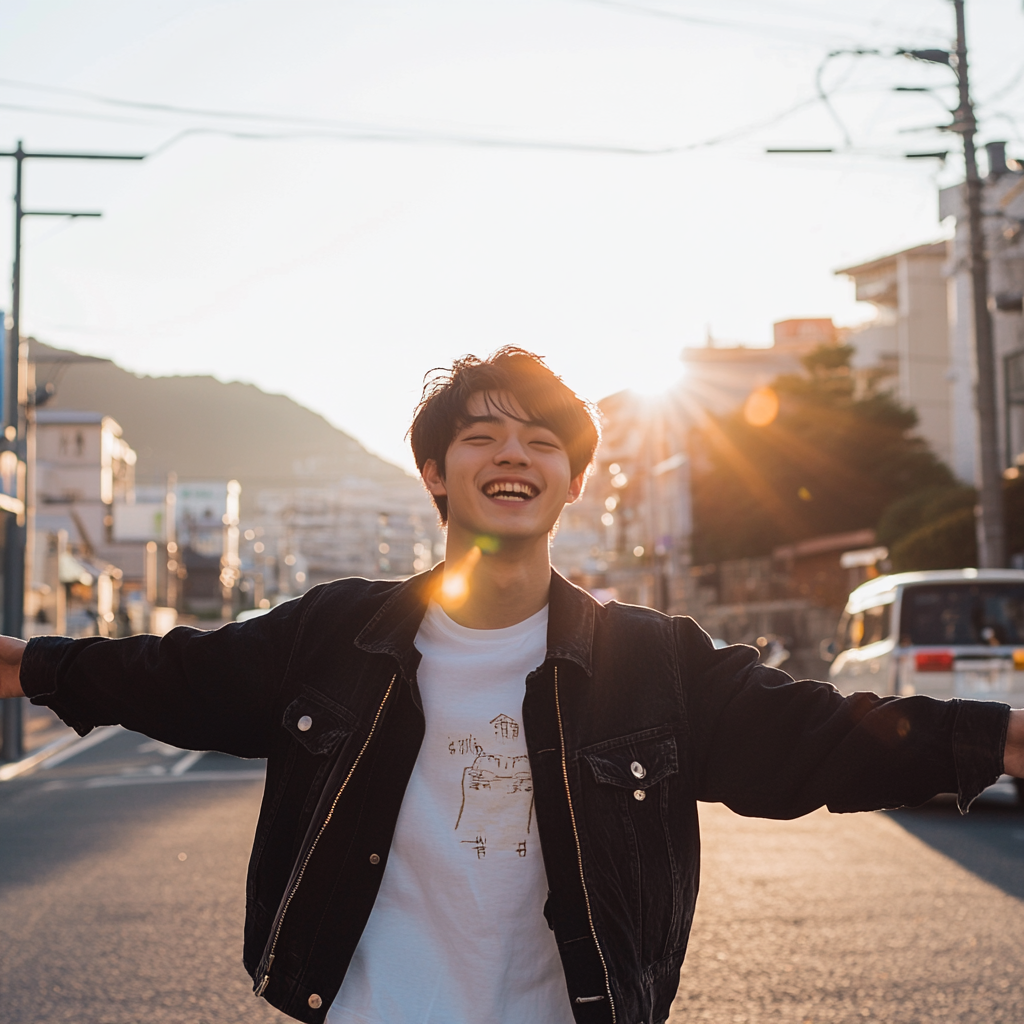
(571, 614)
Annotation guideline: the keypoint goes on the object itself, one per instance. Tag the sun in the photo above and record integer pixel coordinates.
(651, 376)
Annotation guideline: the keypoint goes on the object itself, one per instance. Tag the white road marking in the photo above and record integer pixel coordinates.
(243, 774)
(26, 764)
(107, 781)
(183, 764)
(97, 736)
(158, 747)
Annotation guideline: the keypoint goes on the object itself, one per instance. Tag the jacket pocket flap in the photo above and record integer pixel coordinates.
(634, 762)
(316, 721)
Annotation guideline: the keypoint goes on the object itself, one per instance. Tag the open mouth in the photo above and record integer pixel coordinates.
(512, 491)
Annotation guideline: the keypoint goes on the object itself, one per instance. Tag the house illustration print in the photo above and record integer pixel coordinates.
(497, 795)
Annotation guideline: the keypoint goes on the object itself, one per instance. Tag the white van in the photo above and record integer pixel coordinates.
(945, 633)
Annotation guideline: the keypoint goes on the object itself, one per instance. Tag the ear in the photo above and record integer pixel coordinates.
(576, 487)
(433, 479)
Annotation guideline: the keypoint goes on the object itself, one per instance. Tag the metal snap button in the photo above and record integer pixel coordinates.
(315, 1001)
(374, 858)
(639, 794)
(304, 724)
(638, 769)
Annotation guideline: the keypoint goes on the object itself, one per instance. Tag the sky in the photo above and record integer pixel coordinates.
(339, 196)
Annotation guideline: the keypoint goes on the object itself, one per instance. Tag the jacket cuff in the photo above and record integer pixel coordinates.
(979, 736)
(38, 676)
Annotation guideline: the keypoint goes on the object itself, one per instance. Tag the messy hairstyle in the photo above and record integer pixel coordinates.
(541, 394)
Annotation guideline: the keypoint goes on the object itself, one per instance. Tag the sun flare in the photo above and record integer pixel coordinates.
(455, 585)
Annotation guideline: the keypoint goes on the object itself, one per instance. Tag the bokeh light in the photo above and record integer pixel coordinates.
(761, 407)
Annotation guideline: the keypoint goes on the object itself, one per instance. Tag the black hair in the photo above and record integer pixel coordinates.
(541, 394)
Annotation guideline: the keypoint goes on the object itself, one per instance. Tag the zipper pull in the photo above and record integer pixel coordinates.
(265, 980)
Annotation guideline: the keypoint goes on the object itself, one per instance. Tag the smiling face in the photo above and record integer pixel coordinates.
(505, 475)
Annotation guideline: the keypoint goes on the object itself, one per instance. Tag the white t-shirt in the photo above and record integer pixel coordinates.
(457, 934)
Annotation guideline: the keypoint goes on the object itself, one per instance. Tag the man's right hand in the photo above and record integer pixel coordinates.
(11, 650)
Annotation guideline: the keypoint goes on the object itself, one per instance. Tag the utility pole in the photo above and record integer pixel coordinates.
(990, 524)
(15, 433)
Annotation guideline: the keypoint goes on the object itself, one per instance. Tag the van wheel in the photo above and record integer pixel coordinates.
(1019, 785)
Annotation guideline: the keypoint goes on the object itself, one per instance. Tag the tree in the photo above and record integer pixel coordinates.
(837, 453)
(936, 529)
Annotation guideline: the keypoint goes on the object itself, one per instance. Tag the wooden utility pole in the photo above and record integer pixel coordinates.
(15, 432)
(990, 523)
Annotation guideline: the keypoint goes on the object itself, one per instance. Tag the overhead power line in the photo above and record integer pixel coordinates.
(330, 128)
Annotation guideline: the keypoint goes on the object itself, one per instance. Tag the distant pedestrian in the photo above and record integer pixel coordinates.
(481, 791)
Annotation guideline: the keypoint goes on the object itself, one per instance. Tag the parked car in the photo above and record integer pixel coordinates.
(944, 633)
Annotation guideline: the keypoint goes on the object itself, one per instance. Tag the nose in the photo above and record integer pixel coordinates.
(512, 453)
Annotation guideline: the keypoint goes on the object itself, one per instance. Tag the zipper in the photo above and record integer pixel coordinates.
(579, 858)
(265, 980)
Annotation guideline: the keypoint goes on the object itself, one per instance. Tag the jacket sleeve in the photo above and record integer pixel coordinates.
(774, 747)
(192, 688)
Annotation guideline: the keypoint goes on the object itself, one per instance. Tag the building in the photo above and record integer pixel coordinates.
(353, 527)
(908, 341)
(76, 568)
(719, 379)
(314, 504)
(1003, 205)
(628, 537)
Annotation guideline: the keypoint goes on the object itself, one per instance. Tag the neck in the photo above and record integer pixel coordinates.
(501, 588)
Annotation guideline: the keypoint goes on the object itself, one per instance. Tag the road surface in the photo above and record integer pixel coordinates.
(122, 881)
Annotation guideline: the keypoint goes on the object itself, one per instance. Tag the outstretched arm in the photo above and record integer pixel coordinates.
(215, 690)
(769, 746)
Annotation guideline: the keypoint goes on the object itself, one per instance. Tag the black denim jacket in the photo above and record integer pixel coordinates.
(632, 718)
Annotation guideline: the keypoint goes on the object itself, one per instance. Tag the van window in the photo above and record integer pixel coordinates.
(963, 613)
(849, 631)
(876, 624)
(862, 628)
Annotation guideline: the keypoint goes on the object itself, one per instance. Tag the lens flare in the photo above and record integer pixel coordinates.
(455, 586)
(761, 407)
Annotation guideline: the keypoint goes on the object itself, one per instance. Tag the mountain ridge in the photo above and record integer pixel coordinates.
(203, 428)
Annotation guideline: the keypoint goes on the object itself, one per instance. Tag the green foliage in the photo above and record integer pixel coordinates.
(945, 543)
(921, 509)
(935, 528)
(832, 461)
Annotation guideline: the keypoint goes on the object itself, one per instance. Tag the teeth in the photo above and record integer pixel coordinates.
(507, 488)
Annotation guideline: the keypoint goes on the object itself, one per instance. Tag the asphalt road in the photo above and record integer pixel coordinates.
(122, 879)
(899, 917)
(122, 888)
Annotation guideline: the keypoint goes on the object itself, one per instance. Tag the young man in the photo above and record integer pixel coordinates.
(481, 791)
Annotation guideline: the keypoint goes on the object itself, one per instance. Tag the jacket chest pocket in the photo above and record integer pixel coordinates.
(639, 763)
(631, 789)
(318, 723)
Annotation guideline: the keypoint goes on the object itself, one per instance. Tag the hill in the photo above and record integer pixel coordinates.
(202, 428)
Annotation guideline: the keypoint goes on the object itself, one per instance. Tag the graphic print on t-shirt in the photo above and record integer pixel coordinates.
(496, 810)
(457, 934)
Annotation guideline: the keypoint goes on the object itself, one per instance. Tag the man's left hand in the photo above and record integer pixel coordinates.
(1013, 752)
